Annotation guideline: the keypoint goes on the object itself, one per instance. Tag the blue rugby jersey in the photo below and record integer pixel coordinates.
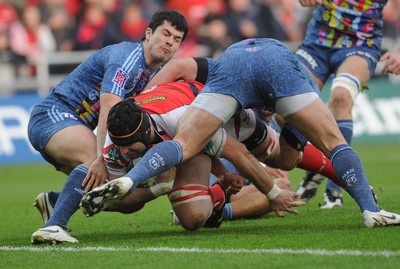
(347, 23)
(120, 69)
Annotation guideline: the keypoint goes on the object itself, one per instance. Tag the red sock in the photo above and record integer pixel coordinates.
(217, 195)
(315, 161)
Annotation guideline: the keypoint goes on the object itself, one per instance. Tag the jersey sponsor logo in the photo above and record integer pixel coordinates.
(120, 78)
(157, 98)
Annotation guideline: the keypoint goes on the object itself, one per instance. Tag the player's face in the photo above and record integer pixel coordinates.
(133, 150)
(162, 43)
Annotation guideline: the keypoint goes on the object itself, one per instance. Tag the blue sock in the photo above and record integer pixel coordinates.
(346, 128)
(349, 169)
(68, 201)
(157, 160)
(227, 211)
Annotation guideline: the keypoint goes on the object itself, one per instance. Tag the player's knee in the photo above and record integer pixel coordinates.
(344, 90)
(288, 158)
(192, 204)
(269, 148)
(286, 164)
(193, 221)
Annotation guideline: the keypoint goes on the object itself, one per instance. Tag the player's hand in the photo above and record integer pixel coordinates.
(310, 3)
(392, 63)
(96, 176)
(232, 183)
(285, 201)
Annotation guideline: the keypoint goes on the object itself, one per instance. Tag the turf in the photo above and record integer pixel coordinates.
(313, 239)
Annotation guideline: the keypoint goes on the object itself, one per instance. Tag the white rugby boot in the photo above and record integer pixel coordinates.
(52, 235)
(381, 218)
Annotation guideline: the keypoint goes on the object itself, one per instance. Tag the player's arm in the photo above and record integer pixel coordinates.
(181, 69)
(97, 172)
(249, 167)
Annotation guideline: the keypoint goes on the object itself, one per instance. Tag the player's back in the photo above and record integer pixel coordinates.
(168, 96)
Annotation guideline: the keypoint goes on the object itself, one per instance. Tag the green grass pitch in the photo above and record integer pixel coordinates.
(313, 239)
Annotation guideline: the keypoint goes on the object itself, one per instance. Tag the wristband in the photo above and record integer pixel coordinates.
(274, 192)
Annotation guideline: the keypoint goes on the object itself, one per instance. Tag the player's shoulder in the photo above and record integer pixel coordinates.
(122, 50)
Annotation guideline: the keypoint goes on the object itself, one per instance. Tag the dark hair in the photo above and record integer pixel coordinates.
(128, 123)
(175, 18)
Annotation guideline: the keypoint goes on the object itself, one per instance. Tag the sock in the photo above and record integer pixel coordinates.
(315, 161)
(68, 201)
(346, 128)
(217, 194)
(228, 211)
(158, 159)
(349, 170)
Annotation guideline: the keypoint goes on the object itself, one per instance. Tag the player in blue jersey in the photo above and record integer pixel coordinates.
(343, 39)
(249, 74)
(61, 126)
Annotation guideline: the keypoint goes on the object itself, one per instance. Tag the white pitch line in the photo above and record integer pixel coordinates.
(317, 252)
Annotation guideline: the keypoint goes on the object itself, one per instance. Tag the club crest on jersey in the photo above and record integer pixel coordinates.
(120, 78)
(113, 153)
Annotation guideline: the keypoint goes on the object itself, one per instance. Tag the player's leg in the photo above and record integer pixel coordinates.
(74, 145)
(189, 197)
(264, 143)
(316, 61)
(71, 147)
(351, 75)
(322, 132)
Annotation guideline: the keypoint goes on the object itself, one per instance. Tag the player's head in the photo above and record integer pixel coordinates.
(128, 123)
(173, 17)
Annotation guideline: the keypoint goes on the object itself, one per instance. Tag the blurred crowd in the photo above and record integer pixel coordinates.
(30, 27)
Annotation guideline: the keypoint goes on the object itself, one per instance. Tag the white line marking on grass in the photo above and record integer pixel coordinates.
(319, 252)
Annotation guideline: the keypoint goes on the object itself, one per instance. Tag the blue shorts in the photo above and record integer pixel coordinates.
(324, 61)
(47, 118)
(256, 72)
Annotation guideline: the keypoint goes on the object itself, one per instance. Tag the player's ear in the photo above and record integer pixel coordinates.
(148, 33)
